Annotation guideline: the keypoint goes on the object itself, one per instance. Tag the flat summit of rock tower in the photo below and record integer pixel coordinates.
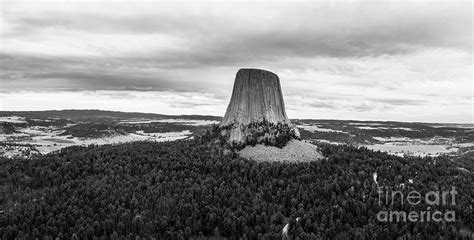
(256, 112)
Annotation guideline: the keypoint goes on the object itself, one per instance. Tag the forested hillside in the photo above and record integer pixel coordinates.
(184, 189)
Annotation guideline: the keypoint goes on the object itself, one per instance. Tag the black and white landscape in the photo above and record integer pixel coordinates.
(24, 134)
(236, 120)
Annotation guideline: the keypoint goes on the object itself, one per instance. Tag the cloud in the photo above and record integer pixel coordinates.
(229, 33)
(400, 102)
(351, 58)
(79, 73)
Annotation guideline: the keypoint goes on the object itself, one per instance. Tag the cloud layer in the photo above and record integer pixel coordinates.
(353, 59)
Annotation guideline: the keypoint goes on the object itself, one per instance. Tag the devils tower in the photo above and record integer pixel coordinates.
(256, 112)
(256, 96)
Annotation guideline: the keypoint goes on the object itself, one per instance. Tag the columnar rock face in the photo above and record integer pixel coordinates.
(256, 95)
(256, 109)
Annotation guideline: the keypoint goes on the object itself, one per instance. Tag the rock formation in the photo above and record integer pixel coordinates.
(256, 95)
(257, 124)
(256, 112)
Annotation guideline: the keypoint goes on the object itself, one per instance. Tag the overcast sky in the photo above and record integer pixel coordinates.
(368, 60)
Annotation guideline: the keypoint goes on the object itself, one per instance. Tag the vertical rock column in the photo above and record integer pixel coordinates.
(256, 97)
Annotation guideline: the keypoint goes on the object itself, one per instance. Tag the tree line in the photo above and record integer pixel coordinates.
(197, 188)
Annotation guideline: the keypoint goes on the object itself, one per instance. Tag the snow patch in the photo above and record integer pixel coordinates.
(180, 121)
(327, 141)
(46, 142)
(422, 150)
(371, 128)
(393, 139)
(316, 128)
(13, 119)
(189, 122)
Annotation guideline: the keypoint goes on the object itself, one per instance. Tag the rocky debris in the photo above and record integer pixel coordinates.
(294, 151)
(256, 107)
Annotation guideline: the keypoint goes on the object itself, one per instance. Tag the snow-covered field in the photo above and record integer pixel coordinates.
(180, 121)
(466, 126)
(47, 139)
(189, 122)
(406, 129)
(393, 139)
(49, 144)
(385, 128)
(327, 141)
(317, 128)
(41, 137)
(400, 146)
(13, 119)
(464, 145)
(413, 149)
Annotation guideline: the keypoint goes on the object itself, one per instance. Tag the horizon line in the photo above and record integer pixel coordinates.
(164, 114)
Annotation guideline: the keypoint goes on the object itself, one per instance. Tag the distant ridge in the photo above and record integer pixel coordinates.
(77, 114)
